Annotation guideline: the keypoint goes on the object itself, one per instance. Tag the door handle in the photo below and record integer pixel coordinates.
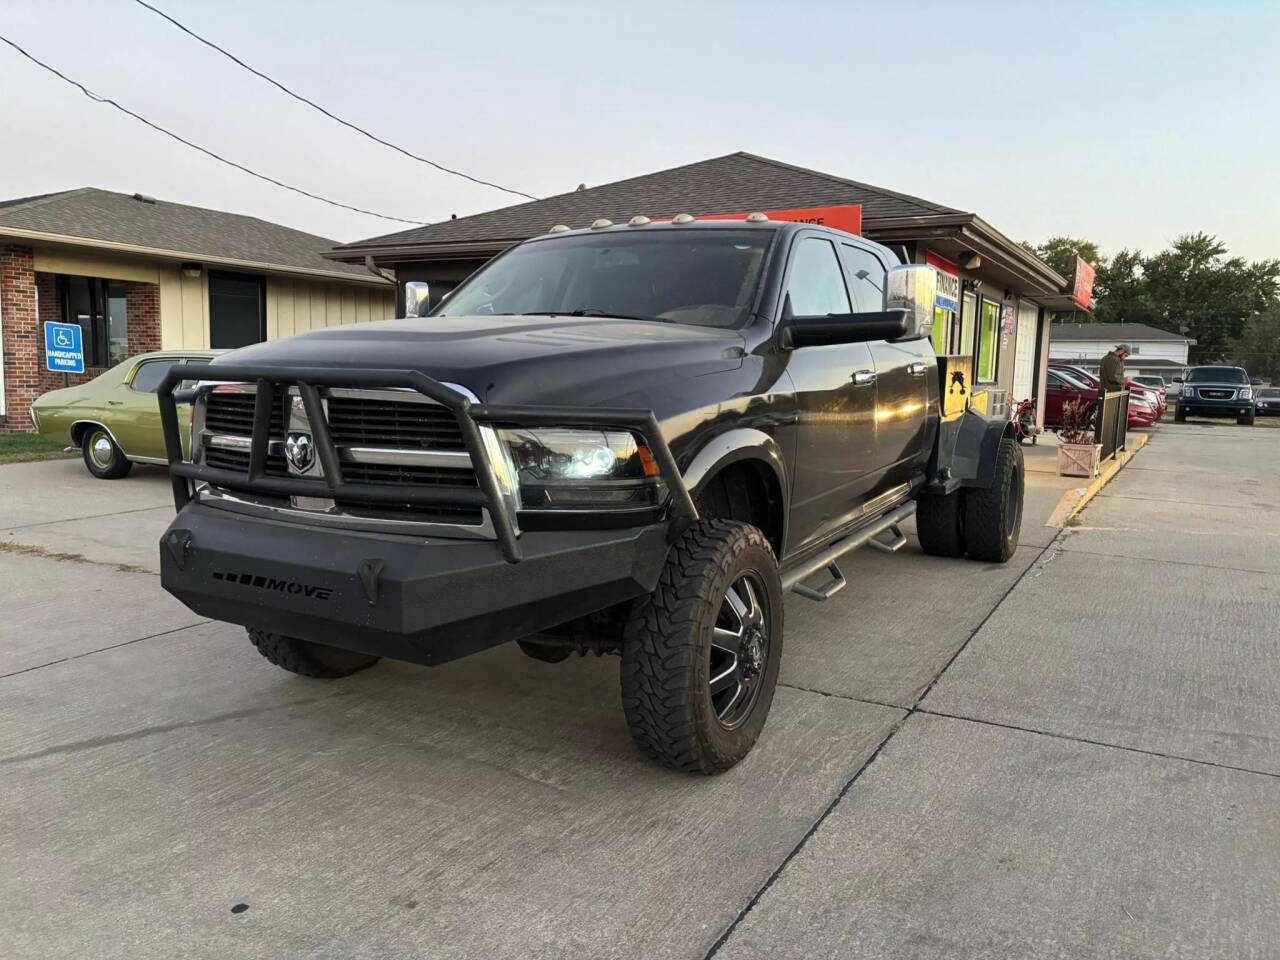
(863, 377)
(918, 368)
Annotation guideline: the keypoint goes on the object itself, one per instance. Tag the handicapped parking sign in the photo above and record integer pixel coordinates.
(63, 347)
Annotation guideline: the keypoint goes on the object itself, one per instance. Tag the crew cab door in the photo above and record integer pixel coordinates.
(904, 374)
(835, 389)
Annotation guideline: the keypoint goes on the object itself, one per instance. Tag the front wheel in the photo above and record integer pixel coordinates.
(307, 658)
(102, 456)
(1179, 414)
(700, 658)
(1245, 419)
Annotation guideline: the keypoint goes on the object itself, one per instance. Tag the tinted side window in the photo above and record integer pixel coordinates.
(1054, 382)
(149, 375)
(866, 276)
(816, 287)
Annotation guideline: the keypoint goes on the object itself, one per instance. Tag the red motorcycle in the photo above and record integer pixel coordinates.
(1024, 421)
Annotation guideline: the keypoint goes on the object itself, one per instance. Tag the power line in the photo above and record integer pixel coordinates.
(332, 116)
(195, 146)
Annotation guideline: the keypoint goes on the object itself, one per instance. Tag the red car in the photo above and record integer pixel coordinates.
(1067, 383)
(1063, 387)
(1157, 397)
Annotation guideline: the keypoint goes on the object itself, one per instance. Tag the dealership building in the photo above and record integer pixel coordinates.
(995, 298)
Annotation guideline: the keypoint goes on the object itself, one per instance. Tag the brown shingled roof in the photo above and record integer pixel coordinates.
(173, 228)
(738, 181)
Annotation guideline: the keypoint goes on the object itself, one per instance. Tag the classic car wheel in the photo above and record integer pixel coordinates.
(105, 460)
(700, 660)
(307, 658)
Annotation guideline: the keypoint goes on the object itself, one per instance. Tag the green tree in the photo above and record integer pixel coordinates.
(1258, 349)
(1060, 253)
(1196, 289)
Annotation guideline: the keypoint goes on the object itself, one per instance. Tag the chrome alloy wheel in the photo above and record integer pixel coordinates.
(739, 650)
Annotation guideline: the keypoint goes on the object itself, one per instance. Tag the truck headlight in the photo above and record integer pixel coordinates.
(577, 469)
(1246, 393)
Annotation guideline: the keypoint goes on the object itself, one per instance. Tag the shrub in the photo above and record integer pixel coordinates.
(1077, 423)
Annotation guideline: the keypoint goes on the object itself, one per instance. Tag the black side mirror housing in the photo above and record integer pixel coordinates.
(797, 332)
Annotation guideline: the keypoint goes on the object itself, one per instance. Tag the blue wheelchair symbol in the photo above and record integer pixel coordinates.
(63, 347)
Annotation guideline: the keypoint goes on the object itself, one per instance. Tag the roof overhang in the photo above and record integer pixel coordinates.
(179, 256)
(388, 254)
(958, 234)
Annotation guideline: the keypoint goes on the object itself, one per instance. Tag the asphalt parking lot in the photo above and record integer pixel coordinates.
(1072, 755)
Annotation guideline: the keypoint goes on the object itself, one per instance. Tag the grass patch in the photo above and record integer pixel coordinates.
(23, 447)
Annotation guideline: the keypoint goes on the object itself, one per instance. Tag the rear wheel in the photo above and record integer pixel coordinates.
(307, 658)
(993, 515)
(940, 524)
(105, 460)
(700, 660)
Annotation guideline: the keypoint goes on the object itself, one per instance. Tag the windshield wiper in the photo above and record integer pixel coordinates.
(590, 312)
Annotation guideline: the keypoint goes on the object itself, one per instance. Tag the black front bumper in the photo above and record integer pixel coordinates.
(425, 600)
(1210, 407)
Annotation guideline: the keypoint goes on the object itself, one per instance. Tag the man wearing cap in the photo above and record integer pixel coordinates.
(1111, 371)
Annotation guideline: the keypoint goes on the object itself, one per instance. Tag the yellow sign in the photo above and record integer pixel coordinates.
(956, 372)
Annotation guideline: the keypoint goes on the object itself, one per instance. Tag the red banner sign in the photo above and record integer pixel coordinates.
(1082, 288)
(847, 218)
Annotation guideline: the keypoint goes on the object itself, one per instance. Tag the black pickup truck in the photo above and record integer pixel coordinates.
(628, 439)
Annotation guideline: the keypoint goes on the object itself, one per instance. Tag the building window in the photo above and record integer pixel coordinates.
(988, 340)
(99, 308)
(237, 310)
(942, 320)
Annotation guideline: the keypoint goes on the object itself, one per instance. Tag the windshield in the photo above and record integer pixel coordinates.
(1270, 393)
(702, 277)
(1073, 379)
(1150, 381)
(1217, 375)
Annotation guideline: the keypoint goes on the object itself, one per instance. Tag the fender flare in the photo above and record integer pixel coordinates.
(732, 446)
(967, 448)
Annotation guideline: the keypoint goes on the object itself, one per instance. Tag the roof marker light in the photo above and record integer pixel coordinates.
(682, 218)
(638, 221)
(601, 224)
(757, 217)
(559, 228)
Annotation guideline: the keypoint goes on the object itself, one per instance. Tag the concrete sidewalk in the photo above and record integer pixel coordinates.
(1098, 772)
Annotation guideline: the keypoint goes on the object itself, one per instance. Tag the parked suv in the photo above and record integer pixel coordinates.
(627, 439)
(1216, 392)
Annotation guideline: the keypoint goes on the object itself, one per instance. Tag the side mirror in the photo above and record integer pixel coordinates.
(1177, 379)
(836, 328)
(416, 298)
(912, 288)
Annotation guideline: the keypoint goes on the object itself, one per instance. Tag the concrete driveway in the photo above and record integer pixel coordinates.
(960, 761)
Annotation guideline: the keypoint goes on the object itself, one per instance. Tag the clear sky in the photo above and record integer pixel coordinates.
(1126, 123)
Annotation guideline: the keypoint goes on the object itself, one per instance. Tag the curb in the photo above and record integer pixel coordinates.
(1073, 501)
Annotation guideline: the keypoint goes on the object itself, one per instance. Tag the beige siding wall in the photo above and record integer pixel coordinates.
(296, 306)
(184, 309)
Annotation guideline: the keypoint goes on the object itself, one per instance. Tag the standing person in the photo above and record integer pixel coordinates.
(1111, 370)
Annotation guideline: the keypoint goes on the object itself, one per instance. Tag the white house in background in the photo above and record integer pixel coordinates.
(1152, 351)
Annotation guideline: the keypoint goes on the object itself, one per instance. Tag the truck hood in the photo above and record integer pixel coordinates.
(555, 360)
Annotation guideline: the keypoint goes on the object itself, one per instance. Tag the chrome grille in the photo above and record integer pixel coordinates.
(231, 412)
(366, 420)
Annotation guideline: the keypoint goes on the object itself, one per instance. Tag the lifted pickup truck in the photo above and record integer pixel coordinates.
(628, 439)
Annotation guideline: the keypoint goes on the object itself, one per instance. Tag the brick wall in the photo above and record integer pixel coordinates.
(25, 376)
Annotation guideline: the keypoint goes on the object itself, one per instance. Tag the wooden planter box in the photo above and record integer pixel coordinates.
(1079, 459)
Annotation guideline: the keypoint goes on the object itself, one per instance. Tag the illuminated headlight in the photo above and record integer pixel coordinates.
(566, 469)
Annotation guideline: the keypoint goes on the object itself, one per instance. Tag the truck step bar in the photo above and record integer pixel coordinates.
(791, 580)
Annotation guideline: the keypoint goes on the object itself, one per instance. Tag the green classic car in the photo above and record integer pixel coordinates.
(115, 419)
